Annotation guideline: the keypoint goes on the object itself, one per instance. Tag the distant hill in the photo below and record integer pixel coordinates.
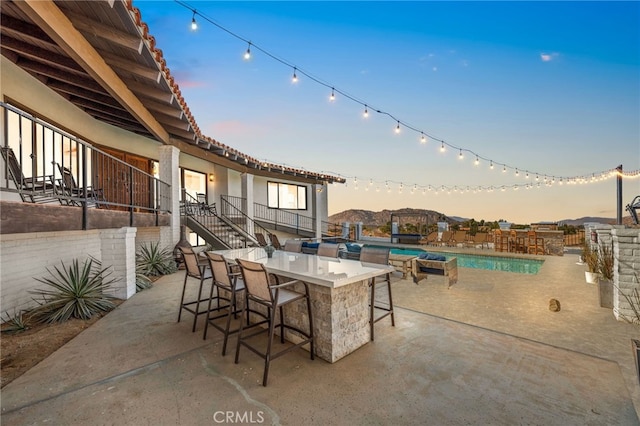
(626, 220)
(368, 217)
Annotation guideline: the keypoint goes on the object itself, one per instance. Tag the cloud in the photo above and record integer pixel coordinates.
(547, 57)
(183, 78)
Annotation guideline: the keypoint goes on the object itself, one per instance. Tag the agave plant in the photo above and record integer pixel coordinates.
(14, 324)
(75, 291)
(142, 281)
(151, 260)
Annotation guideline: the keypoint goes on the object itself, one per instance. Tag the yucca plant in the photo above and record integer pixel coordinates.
(142, 281)
(151, 260)
(14, 324)
(75, 291)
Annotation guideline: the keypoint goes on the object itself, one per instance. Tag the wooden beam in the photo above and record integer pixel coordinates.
(88, 26)
(184, 134)
(56, 73)
(71, 89)
(131, 67)
(149, 92)
(168, 110)
(42, 55)
(173, 122)
(116, 113)
(22, 29)
(54, 22)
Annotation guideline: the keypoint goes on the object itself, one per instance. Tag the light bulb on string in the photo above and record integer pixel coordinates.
(398, 127)
(194, 24)
(442, 147)
(247, 54)
(517, 173)
(491, 165)
(365, 114)
(423, 138)
(333, 95)
(294, 79)
(460, 156)
(504, 169)
(477, 161)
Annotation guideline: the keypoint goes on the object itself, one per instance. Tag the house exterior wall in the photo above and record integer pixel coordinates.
(24, 257)
(27, 255)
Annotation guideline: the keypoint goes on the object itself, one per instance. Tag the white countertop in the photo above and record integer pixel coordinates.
(324, 271)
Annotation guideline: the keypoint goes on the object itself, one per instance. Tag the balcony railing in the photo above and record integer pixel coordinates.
(44, 164)
(283, 219)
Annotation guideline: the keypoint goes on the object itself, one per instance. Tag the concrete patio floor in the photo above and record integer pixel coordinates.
(485, 351)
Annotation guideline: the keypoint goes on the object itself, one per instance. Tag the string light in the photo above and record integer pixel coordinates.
(333, 95)
(423, 135)
(460, 156)
(477, 161)
(194, 24)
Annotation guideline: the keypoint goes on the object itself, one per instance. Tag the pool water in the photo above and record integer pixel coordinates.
(493, 263)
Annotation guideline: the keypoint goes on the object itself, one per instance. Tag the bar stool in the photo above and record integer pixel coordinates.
(196, 270)
(328, 250)
(226, 280)
(294, 246)
(272, 297)
(379, 256)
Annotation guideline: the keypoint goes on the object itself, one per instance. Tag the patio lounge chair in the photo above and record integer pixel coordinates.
(33, 189)
(204, 206)
(72, 190)
(261, 240)
(458, 239)
(275, 242)
(478, 240)
(430, 239)
(446, 238)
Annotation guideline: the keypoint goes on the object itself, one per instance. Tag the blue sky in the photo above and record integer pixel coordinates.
(552, 88)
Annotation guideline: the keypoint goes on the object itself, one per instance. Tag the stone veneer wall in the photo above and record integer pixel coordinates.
(626, 268)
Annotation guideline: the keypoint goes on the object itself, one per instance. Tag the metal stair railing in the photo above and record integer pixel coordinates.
(282, 219)
(233, 210)
(204, 221)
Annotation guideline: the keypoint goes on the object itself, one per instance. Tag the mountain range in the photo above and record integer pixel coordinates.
(368, 217)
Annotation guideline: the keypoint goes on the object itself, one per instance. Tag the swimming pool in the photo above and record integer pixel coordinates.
(492, 263)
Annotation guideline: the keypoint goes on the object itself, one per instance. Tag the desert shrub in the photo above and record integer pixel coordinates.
(142, 281)
(14, 324)
(75, 291)
(151, 260)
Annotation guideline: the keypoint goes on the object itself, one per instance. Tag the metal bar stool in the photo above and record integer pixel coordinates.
(380, 256)
(272, 297)
(196, 270)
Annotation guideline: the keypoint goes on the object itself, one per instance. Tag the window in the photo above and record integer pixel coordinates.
(286, 196)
